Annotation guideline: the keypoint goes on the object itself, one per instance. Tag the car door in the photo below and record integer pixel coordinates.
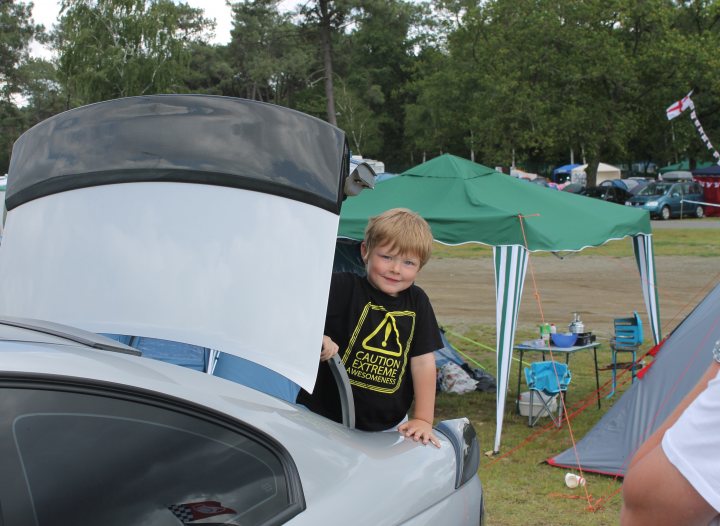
(613, 194)
(674, 198)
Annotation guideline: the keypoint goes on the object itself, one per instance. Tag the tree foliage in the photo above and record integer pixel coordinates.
(117, 48)
(526, 82)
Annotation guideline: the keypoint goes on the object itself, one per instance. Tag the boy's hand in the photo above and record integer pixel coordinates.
(419, 430)
(329, 349)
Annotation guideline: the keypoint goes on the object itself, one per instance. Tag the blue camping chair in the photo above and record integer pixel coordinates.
(549, 380)
(628, 338)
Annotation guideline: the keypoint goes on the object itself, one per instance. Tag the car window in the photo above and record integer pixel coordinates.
(88, 458)
(655, 189)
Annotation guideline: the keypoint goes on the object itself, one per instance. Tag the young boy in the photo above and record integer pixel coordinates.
(385, 330)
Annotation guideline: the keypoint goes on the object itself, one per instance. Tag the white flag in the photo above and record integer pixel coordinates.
(676, 108)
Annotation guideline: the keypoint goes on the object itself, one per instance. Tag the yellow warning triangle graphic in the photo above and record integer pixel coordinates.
(390, 342)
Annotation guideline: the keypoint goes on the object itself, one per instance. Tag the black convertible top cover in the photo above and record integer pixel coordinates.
(197, 139)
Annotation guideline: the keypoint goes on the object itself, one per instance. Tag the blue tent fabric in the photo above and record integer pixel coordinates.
(447, 353)
(565, 169)
(256, 377)
(176, 353)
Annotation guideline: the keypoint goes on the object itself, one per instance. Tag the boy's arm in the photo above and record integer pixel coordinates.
(423, 373)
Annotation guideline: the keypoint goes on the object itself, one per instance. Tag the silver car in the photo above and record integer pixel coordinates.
(208, 222)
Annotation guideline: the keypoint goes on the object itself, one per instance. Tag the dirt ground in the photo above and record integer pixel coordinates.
(600, 288)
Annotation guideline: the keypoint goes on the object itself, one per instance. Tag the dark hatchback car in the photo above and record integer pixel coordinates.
(613, 194)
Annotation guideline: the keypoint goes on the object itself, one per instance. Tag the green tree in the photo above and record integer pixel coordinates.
(118, 48)
(541, 78)
(378, 60)
(270, 59)
(357, 119)
(326, 19)
(18, 30)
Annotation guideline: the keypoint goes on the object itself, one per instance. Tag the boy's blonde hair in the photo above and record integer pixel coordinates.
(402, 229)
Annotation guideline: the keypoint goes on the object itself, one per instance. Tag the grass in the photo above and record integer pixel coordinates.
(666, 242)
(520, 488)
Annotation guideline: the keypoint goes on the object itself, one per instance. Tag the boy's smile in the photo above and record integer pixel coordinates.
(388, 270)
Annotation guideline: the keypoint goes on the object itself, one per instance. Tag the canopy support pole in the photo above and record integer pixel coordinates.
(510, 269)
(645, 258)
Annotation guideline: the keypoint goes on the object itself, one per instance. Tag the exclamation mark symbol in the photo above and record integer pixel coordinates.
(387, 333)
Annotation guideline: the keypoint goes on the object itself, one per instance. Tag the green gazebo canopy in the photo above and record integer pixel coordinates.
(467, 202)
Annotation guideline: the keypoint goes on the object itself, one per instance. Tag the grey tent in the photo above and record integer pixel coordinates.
(680, 361)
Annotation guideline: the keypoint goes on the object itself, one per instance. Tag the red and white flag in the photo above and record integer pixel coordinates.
(676, 108)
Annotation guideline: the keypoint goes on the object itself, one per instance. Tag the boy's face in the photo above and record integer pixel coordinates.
(388, 270)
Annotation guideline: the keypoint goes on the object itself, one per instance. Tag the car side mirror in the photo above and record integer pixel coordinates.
(362, 176)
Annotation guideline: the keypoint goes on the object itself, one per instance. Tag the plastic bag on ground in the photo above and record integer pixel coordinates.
(453, 379)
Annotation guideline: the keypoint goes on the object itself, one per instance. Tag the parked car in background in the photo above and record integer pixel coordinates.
(666, 199)
(675, 176)
(611, 193)
(210, 222)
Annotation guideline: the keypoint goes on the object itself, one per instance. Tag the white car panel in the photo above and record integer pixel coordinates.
(177, 261)
(344, 472)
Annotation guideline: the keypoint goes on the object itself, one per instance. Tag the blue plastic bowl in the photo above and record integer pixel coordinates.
(567, 339)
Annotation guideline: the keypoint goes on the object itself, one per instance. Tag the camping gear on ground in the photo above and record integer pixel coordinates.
(572, 480)
(485, 381)
(541, 347)
(547, 380)
(544, 331)
(584, 338)
(564, 339)
(537, 410)
(482, 205)
(453, 379)
(627, 339)
(576, 325)
(680, 360)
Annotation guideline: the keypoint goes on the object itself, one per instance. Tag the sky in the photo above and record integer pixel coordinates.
(46, 12)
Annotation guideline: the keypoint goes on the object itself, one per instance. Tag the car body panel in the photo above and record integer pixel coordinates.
(333, 461)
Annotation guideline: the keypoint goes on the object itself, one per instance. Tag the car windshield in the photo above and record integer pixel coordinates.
(655, 189)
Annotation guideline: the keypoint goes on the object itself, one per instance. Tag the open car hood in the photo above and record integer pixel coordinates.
(199, 219)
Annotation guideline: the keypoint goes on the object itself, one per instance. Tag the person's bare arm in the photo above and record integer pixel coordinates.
(654, 491)
(419, 427)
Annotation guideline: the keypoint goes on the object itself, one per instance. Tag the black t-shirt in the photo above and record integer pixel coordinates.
(377, 335)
